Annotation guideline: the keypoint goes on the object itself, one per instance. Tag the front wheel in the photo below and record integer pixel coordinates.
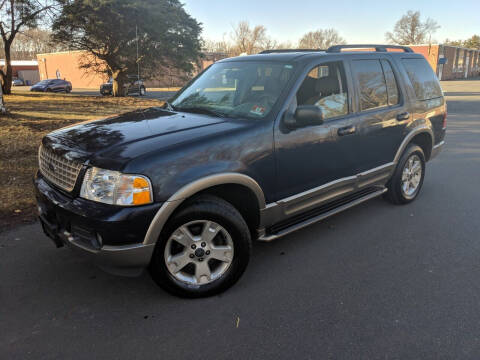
(407, 180)
(143, 91)
(203, 249)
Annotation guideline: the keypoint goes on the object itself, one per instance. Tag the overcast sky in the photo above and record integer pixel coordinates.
(363, 21)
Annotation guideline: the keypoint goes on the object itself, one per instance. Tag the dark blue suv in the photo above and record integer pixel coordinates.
(254, 147)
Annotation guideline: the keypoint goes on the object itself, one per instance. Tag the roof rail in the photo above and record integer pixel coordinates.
(274, 51)
(377, 47)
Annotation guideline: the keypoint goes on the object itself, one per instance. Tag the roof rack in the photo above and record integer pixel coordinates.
(377, 47)
(273, 51)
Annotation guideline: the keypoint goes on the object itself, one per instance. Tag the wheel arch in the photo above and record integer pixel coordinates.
(220, 185)
(423, 137)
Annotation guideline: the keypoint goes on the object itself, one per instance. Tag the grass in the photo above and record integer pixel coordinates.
(31, 116)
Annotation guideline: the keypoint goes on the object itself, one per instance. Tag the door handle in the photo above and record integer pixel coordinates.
(347, 130)
(403, 116)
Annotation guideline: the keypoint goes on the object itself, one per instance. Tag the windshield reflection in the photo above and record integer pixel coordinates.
(236, 89)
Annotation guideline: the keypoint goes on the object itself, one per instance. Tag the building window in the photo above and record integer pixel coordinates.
(461, 60)
(455, 60)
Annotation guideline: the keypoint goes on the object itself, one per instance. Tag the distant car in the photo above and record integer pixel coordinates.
(52, 85)
(18, 82)
(133, 86)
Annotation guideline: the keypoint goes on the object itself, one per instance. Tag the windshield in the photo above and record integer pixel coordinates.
(236, 89)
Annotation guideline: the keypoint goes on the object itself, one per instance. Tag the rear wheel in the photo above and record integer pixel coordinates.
(203, 249)
(143, 91)
(407, 180)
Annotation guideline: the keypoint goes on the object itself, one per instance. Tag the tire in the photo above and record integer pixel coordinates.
(185, 280)
(67, 90)
(48, 90)
(399, 192)
(143, 91)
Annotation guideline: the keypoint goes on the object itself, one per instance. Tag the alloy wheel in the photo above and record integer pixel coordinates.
(411, 176)
(199, 252)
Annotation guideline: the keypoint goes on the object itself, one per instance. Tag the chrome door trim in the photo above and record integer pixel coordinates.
(309, 199)
(301, 225)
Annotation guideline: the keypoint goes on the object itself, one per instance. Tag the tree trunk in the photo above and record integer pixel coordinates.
(3, 110)
(7, 79)
(119, 81)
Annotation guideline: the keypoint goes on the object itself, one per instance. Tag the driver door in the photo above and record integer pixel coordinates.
(313, 156)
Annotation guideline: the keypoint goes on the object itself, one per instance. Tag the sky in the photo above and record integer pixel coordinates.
(362, 21)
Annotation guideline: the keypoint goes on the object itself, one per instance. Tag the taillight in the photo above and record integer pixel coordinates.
(444, 125)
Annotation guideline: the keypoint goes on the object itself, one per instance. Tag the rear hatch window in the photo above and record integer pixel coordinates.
(423, 79)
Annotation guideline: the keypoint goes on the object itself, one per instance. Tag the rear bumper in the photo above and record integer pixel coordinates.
(112, 237)
(436, 149)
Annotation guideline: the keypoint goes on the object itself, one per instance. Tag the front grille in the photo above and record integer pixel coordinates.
(58, 170)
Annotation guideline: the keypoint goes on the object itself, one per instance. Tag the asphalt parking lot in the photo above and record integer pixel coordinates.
(375, 282)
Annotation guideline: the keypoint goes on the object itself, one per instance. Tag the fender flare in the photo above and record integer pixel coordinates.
(168, 207)
(409, 137)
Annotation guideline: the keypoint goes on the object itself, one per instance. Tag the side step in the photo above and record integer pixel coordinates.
(320, 213)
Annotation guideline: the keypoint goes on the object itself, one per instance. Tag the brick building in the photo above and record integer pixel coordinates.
(451, 62)
(66, 65)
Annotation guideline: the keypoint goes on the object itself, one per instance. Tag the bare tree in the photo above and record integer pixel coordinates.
(321, 39)
(453, 42)
(31, 42)
(247, 40)
(16, 15)
(411, 30)
(222, 46)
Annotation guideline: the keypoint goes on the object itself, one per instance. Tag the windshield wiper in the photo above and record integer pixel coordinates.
(202, 110)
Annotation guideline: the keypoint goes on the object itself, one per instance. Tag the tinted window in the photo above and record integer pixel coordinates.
(423, 79)
(373, 90)
(325, 86)
(392, 88)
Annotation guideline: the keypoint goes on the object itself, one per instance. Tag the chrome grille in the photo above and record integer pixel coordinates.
(58, 170)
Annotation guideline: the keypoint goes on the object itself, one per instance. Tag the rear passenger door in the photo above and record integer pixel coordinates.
(381, 108)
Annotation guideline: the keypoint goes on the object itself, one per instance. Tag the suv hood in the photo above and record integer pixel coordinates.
(121, 138)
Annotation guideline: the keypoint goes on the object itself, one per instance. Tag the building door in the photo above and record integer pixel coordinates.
(441, 61)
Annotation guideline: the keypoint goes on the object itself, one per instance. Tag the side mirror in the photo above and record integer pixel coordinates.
(305, 115)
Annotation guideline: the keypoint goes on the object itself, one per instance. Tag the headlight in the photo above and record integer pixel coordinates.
(113, 187)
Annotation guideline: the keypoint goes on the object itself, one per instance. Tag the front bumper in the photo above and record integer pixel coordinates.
(111, 236)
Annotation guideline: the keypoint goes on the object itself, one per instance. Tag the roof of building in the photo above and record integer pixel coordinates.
(20, 62)
(452, 46)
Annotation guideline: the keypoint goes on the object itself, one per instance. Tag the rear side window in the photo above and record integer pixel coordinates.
(373, 89)
(392, 88)
(423, 79)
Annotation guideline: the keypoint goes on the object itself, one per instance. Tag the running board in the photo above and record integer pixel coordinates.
(323, 215)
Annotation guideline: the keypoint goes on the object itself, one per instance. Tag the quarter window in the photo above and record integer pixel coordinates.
(371, 82)
(325, 86)
(422, 78)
